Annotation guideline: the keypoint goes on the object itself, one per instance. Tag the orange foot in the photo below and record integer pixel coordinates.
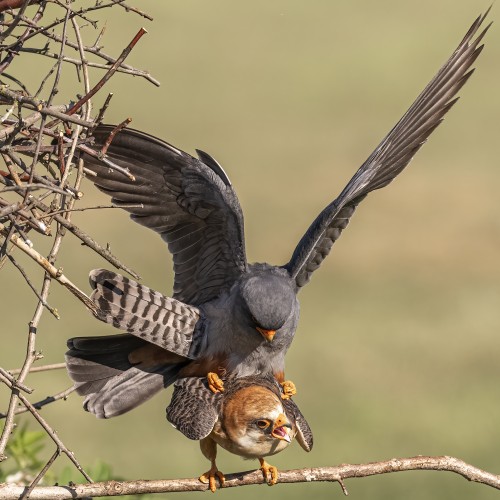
(289, 389)
(209, 478)
(215, 383)
(270, 472)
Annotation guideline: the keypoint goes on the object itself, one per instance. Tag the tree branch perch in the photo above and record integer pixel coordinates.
(324, 474)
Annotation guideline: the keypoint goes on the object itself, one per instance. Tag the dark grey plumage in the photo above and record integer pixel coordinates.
(104, 372)
(390, 157)
(247, 313)
(194, 209)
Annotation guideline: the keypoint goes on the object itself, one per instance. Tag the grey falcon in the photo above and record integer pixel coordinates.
(249, 419)
(225, 315)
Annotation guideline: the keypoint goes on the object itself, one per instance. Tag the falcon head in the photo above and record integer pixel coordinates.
(267, 300)
(255, 423)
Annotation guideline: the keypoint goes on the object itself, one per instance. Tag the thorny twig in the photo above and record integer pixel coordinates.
(35, 291)
(50, 432)
(109, 73)
(95, 50)
(27, 492)
(39, 194)
(44, 368)
(45, 401)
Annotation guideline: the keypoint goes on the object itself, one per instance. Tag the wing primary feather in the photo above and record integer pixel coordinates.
(172, 191)
(393, 154)
(211, 162)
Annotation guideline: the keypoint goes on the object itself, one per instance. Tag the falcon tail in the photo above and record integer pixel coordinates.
(116, 373)
(136, 309)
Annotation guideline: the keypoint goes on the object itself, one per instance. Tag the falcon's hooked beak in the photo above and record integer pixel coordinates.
(282, 428)
(267, 334)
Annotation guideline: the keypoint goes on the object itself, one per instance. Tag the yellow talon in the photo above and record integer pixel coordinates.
(270, 472)
(215, 383)
(289, 389)
(209, 478)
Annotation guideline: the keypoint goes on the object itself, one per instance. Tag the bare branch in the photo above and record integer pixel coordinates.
(132, 9)
(51, 270)
(85, 238)
(109, 73)
(8, 379)
(95, 50)
(39, 106)
(322, 474)
(85, 209)
(49, 184)
(22, 38)
(37, 369)
(52, 310)
(112, 135)
(27, 492)
(44, 402)
(53, 435)
(30, 120)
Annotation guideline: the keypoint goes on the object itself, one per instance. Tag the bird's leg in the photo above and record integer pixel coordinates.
(270, 472)
(209, 449)
(289, 389)
(215, 383)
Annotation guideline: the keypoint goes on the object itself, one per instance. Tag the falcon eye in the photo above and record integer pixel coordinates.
(262, 424)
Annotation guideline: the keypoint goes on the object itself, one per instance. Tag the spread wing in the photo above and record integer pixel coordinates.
(304, 433)
(193, 409)
(190, 202)
(390, 157)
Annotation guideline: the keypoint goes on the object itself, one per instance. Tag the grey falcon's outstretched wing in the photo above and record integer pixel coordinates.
(194, 408)
(190, 202)
(390, 157)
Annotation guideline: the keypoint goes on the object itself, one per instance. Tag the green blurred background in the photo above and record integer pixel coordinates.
(398, 344)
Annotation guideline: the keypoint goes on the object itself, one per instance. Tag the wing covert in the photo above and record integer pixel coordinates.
(194, 408)
(304, 433)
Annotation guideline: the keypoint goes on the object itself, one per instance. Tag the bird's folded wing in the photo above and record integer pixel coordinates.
(304, 434)
(136, 309)
(193, 409)
(190, 202)
(390, 157)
